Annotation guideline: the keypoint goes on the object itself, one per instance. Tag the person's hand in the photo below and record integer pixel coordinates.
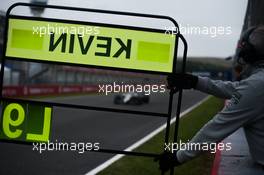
(182, 81)
(167, 160)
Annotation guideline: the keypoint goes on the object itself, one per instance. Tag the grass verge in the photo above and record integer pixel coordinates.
(189, 125)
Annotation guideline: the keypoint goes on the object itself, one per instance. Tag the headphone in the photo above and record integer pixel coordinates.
(246, 51)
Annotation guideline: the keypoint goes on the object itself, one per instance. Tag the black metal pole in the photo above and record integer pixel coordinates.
(178, 112)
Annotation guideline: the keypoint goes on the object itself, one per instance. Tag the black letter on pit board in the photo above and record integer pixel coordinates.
(107, 46)
(62, 38)
(126, 48)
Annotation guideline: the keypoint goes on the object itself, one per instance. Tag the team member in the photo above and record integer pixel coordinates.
(246, 106)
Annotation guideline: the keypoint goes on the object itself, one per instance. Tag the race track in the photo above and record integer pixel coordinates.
(111, 130)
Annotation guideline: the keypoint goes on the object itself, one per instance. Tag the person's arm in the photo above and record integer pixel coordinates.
(238, 112)
(222, 89)
(218, 88)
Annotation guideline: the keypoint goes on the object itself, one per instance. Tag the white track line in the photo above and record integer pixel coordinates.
(141, 141)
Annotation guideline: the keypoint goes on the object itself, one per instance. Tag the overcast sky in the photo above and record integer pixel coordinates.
(204, 14)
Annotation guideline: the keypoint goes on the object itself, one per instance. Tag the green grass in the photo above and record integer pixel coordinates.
(189, 125)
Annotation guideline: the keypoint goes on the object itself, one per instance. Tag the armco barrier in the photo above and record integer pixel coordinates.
(38, 90)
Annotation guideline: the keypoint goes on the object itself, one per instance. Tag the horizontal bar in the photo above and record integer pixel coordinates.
(128, 153)
(109, 151)
(93, 10)
(87, 66)
(86, 107)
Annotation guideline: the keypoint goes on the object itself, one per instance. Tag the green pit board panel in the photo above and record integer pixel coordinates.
(25, 122)
(102, 46)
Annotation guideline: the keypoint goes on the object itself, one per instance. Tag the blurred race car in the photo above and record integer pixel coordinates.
(131, 98)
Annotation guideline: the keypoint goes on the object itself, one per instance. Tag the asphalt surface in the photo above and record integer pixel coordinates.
(110, 130)
(238, 160)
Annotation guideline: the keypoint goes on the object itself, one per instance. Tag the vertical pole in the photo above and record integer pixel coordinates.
(172, 91)
(3, 54)
(178, 112)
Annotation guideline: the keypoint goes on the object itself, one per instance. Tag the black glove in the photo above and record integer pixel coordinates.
(167, 160)
(182, 81)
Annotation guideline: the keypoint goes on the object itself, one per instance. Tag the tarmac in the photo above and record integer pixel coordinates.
(112, 130)
(237, 161)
